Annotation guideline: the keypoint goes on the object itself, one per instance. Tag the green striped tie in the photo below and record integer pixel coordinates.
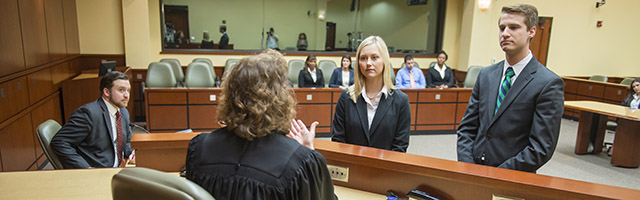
(504, 87)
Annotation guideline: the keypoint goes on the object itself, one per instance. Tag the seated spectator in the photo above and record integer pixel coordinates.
(206, 41)
(310, 75)
(342, 77)
(439, 75)
(410, 77)
(252, 158)
(633, 96)
(302, 42)
(181, 39)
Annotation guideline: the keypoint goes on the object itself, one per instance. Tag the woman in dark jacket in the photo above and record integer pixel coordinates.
(439, 75)
(633, 96)
(252, 158)
(310, 75)
(339, 74)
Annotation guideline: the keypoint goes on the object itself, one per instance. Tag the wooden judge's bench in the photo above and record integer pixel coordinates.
(376, 171)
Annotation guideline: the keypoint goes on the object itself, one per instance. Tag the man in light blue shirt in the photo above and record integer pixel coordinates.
(410, 77)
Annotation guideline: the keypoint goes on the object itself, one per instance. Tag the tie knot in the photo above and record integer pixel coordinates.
(510, 73)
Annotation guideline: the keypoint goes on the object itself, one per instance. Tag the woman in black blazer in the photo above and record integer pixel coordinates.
(434, 78)
(633, 96)
(337, 76)
(304, 77)
(372, 112)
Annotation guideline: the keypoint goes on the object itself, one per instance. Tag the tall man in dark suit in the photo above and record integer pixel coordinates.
(224, 39)
(97, 134)
(513, 117)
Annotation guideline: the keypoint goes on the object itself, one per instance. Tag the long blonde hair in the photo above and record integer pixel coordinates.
(256, 97)
(359, 80)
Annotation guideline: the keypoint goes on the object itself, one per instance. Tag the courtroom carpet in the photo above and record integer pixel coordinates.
(594, 168)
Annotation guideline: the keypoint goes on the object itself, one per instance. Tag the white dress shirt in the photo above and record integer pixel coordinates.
(373, 106)
(314, 76)
(517, 68)
(440, 69)
(114, 133)
(345, 78)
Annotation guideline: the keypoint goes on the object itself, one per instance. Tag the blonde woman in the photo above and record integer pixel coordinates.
(252, 158)
(373, 112)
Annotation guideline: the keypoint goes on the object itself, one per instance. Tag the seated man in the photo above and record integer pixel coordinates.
(97, 134)
(410, 77)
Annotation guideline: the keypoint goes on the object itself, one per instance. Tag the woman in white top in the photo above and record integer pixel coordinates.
(439, 75)
(372, 112)
(633, 96)
(342, 77)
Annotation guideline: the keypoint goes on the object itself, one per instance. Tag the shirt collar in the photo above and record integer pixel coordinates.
(112, 109)
(312, 72)
(383, 91)
(518, 67)
(440, 68)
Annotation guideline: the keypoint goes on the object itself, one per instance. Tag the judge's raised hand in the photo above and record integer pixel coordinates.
(300, 133)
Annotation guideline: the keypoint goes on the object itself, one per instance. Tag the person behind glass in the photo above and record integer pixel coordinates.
(410, 77)
(252, 158)
(342, 77)
(310, 75)
(224, 39)
(372, 112)
(439, 75)
(272, 39)
(206, 41)
(97, 134)
(180, 38)
(302, 42)
(633, 96)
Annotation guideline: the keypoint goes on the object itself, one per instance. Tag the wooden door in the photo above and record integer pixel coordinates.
(540, 43)
(331, 36)
(179, 17)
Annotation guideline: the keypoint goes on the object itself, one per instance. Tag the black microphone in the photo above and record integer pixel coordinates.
(132, 125)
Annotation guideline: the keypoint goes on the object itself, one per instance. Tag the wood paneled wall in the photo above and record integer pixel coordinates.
(40, 49)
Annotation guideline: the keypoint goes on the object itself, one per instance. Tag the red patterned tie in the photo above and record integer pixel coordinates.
(119, 138)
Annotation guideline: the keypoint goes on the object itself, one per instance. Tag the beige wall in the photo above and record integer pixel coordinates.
(576, 46)
(100, 26)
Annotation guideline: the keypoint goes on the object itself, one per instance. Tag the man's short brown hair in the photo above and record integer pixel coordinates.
(530, 13)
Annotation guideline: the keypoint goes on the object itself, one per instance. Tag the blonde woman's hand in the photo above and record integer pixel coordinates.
(300, 133)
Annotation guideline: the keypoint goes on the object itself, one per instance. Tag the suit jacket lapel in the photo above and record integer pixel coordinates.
(518, 86)
(383, 107)
(494, 85)
(361, 107)
(107, 118)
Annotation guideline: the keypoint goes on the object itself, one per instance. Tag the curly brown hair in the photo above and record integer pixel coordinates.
(256, 98)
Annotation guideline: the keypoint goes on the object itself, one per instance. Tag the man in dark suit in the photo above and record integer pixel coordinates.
(513, 117)
(97, 134)
(224, 40)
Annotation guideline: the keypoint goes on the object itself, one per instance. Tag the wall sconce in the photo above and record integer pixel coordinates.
(321, 15)
(598, 4)
(484, 4)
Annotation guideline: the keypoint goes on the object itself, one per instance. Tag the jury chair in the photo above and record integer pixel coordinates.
(627, 81)
(327, 67)
(206, 60)
(294, 69)
(160, 75)
(199, 75)
(600, 78)
(176, 68)
(228, 66)
(45, 132)
(472, 76)
(138, 183)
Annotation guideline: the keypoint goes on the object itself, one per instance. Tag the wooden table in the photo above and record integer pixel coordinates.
(593, 120)
(376, 171)
(90, 184)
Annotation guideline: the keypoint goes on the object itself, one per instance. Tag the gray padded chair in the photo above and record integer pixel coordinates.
(45, 132)
(176, 68)
(199, 74)
(433, 64)
(391, 73)
(228, 66)
(294, 69)
(627, 81)
(600, 78)
(206, 60)
(472, 75)
(327, 67)
(160, 75)
(142, 183)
